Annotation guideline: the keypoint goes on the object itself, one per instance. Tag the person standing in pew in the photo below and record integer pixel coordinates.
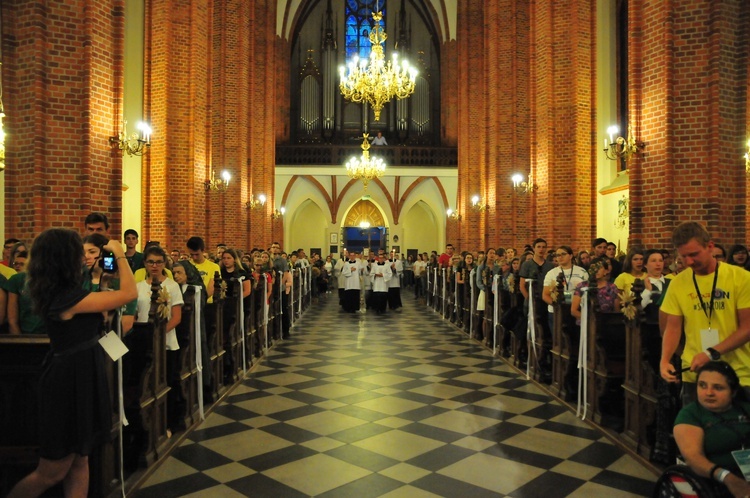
(710, 302)
(155, 259)
(572, 276)
(74, 405)
(606, 293)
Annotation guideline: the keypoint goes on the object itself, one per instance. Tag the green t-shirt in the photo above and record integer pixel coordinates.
(135, 261)
(28, 321)
(723, 432)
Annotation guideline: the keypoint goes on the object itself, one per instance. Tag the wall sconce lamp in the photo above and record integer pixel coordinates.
(747, 154)
(218, 184)
(136, 144)
(521, 187)
(477, 205)
(278, 213)
(452, 215)
(254, 203)
(621, 148)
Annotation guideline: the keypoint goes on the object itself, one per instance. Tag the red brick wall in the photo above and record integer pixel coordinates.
(688, 100)
(62, 62)
(211, 92)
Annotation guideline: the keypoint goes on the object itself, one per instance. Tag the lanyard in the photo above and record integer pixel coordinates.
(710, 312)
(567, 280)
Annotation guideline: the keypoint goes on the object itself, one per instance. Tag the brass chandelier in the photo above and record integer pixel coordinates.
(365, 168)
(378, 82)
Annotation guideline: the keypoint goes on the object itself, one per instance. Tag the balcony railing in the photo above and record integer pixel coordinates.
(336, 155)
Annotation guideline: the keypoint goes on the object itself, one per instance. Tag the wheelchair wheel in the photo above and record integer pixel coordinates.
(678, 481)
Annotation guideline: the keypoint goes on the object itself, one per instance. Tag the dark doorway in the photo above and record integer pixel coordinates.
(357, 239)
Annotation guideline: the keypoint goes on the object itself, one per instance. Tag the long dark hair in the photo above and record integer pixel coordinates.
(54, 266)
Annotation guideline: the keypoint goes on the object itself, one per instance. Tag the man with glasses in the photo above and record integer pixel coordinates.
(7, 247)
(718, 252)
(572, 275)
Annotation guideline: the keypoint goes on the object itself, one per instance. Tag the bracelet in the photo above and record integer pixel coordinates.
(121, 257)
(722, 475)
(711, 472)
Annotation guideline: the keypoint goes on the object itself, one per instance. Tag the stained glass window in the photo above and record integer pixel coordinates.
(358, 24)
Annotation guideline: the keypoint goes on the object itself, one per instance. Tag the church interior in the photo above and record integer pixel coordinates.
(228, 119)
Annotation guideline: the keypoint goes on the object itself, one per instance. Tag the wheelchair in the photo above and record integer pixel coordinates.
(678, 481)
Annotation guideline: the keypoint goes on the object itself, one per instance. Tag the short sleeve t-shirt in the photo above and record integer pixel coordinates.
(207, 270)
(732, 293)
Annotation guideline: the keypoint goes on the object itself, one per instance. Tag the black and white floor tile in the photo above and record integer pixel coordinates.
(394, 405)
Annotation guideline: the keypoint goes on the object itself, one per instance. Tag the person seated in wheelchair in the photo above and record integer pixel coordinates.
(710, 429)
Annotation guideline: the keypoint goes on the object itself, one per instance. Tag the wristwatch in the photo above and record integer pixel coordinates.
(713, 354)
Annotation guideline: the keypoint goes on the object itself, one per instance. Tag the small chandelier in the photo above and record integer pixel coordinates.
(477, 204)
(521, 187)
(218, 184)
(136, 144)
(379, 82)
(621, 148)
(747, 154)
(278, 213)
(365, 168)
(254, 203)
(452, 215)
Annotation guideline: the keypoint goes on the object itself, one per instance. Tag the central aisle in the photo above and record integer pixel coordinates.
(396, 405)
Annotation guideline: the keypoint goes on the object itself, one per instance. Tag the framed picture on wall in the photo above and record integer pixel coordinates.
(333, 238)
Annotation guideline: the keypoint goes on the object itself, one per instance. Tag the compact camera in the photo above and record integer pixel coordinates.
(108, 262)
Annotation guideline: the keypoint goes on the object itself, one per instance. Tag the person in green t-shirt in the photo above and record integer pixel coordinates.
(708, 430)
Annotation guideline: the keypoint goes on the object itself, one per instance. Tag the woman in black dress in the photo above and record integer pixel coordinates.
(74, 408)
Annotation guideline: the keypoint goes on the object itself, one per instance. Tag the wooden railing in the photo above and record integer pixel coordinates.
(330, 155)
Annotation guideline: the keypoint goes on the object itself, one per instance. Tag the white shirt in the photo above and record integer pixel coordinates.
(380, 274)
(144, 305)
(351, 273)
(397, 268)
(573, 276)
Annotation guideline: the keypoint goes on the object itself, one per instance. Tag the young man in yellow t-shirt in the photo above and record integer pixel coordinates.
(711, 301)
(206, 268)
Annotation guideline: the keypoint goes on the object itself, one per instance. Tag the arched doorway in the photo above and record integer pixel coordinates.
(364, 228)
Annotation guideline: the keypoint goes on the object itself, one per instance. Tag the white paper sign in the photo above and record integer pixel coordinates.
(114, 347)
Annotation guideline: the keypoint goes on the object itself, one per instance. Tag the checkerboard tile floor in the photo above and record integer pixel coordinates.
(394, 405)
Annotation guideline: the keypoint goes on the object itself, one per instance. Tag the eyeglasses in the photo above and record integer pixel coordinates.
(720, 256)
(561, 254)
(151, 262)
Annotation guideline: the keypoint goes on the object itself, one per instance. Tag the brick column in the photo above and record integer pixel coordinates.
(688, 102)
(62, 65)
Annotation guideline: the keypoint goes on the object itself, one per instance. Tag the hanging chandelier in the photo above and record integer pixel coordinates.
(365, 168)
(378, 82)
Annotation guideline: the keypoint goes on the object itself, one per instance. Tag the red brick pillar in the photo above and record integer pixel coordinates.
(688, 102)
(562, 121)
(62, 67)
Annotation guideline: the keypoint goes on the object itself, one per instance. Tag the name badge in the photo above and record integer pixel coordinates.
(709, 338)
(742, 457)
(113, 346)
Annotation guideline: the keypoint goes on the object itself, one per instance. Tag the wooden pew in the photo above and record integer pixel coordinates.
(21, 358)
(466, 304)
(541, 365)
(488, 317)
(187, 330)
(565, 341)
(605, 364)
(641, 377)
(216, 343)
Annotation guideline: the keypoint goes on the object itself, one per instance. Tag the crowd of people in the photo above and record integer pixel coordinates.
(699, 294)
(56, 287)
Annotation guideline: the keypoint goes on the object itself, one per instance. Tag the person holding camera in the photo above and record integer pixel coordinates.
(74, 405)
